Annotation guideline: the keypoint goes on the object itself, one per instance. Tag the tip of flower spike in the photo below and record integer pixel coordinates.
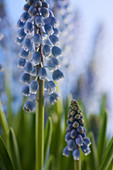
(76, 137)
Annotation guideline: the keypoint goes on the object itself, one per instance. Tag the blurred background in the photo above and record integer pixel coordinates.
(87, 44)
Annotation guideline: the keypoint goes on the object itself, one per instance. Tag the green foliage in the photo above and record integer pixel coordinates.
(5, 160)
(17, 147)
(47, 137)
(14, 152)
(3, 123)
(102, 135)
(108, 157)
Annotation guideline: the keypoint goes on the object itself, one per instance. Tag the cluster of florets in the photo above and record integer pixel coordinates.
(38, 36)
(76, 136)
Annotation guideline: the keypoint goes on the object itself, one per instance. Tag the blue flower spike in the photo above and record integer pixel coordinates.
(39, 55)
(75, 136)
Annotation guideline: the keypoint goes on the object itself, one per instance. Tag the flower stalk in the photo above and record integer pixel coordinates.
(39, 119)
(77, 165)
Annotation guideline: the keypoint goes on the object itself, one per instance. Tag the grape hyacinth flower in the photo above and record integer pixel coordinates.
(40, 52)
(39, 58)
(76, 137)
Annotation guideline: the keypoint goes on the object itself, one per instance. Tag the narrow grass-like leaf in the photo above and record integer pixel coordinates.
(102, 135)
(93, 156)
(14, 150)
(68, 100)
(3, 123)
(108, 157)
(8, 92)
(47, 137)
(103, 105)
(111, 165)
(4, 157)
(49, 163)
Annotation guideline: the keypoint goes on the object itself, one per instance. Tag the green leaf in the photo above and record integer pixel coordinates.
(3, 123)
(111, 165)
(103, 105)
(14, 150)
(68, 101)
(47, 137)
(93, 156)
(49, 162)
(102, 135)
(4, 157)
(108, 157)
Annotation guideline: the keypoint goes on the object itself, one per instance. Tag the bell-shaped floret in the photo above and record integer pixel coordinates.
(24, 17)
(74, 133)
(29, 106)
(54, 39)
(30, 2)
(46, 50)
(27, 44)
(37, 40)
(51, 87)
(20, 24)
(76, 154)
(57, 75)
(53, 63)
(23, 53)
(32, 11)
(79, 140)
(21, 34)
(34, 72)
(33, 87)
(56, 32)
(25, 90)
(66, 152)
(87, 141)
(38, 4)
(51, 20)
(53, 98)
(39, 21)
(48, 29)
(36, 58)
(28, 67)
(42, 73)
(45, 4)
(67, 137)
(25, 78)
(44, 11)
(56, 51)
(71, 145)
(19, 41)
(21, 62)
(26, 7)
(28, 28)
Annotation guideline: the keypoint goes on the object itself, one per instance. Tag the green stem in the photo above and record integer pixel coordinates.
(77, 165)
(40, 127)
(39, 119)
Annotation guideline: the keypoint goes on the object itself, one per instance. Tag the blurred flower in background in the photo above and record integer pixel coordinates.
(8, 57)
